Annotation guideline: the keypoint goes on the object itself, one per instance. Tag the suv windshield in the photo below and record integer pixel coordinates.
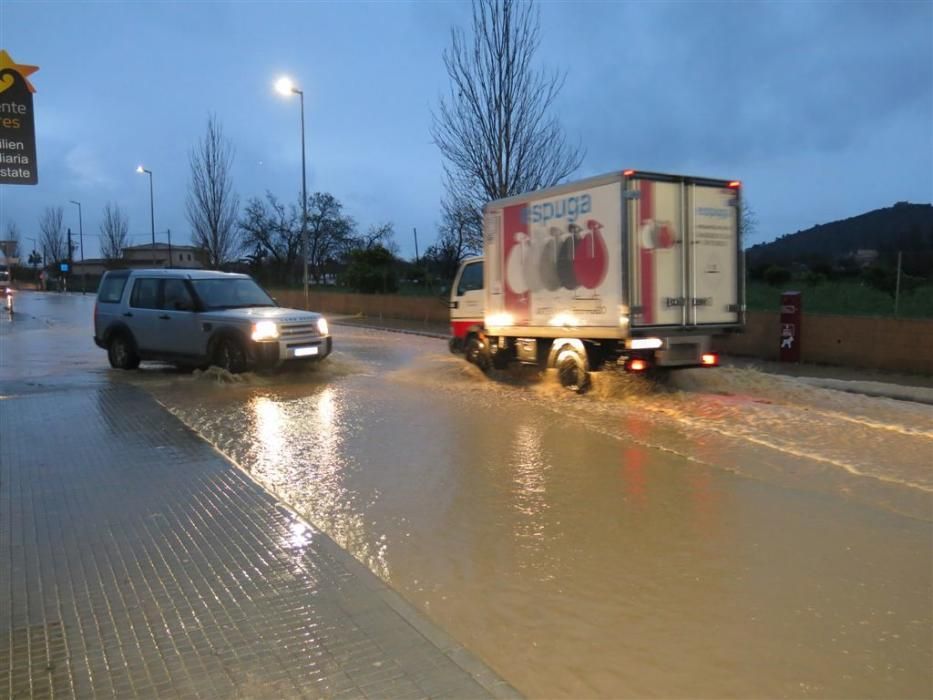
(111, 288)
(235, 293)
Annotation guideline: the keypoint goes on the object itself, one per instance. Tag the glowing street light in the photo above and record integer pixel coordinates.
(285, 86)
(140, 169)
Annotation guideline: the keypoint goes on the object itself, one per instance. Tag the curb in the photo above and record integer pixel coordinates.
(371, 327)
(882, 390)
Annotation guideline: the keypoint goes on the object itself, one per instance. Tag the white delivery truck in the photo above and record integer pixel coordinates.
(631, 268)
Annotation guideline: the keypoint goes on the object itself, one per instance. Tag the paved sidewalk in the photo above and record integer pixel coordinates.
(136, 561)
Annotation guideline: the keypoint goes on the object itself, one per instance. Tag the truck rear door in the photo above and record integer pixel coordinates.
(713, 209)
(682, 251)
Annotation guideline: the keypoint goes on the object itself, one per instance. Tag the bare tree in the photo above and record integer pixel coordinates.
(51, 237)
(328, 231)
(11, 236)
(748, 221)
(462, 224)
(272, 233)
(457, 238)
(211, 203)
(114, 229)
(376, 235)
(494, 129)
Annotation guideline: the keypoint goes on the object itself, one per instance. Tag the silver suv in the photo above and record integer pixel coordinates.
(196, 318)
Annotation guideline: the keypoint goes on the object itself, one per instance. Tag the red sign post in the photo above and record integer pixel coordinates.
(791, 316)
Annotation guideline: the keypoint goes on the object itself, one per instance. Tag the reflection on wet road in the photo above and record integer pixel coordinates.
(732, 534)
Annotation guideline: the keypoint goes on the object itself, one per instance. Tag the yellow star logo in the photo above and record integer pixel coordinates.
(22, 69)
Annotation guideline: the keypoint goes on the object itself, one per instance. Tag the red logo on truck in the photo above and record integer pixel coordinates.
(516, 258)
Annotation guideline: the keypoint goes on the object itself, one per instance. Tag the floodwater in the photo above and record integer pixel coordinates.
(726, 534)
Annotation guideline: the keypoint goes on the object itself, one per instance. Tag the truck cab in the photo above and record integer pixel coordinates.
(466, 303)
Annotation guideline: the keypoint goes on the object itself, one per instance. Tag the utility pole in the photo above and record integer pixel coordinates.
(70, 257)
(416, 244)
(80, 228)
(81, 239)
(897, 287)
(169, 247)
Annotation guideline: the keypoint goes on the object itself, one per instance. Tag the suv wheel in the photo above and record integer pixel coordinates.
(229, 355)
(121, 352)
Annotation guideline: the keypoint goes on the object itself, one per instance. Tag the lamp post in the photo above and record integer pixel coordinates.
(80, 229)
(81, 242)
(141, 169)
(284, 86)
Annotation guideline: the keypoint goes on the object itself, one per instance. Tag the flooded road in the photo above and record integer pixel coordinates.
(729, 534)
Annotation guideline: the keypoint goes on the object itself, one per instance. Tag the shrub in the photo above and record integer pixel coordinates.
(815, 279)
(372, 271)
(777, 276)
(881, 278)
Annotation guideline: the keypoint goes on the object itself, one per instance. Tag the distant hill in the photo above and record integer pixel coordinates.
(906, 227)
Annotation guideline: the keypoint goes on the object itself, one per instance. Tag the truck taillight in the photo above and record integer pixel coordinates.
(636, 365)
(709, 359)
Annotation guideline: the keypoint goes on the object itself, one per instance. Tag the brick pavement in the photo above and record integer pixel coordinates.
(136, 561)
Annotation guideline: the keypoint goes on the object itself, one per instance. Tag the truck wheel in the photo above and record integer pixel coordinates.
(230, 355)
(121, 352)
(477, 353)
(572, 371)
(501, 359)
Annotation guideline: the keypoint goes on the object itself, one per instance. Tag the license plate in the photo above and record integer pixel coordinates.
(304, 352)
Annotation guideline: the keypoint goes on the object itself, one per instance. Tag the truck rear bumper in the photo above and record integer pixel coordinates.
(687, 351)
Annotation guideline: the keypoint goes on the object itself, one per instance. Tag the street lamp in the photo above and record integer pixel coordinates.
(80, 228)
(81, 239)
(285, 86)
(141, 169)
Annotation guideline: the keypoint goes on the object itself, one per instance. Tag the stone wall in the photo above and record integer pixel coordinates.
(427, 309)
(892, 344)
(895, 345)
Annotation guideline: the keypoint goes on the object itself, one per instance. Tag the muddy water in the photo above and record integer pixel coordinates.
(729, 534)
(49, 340)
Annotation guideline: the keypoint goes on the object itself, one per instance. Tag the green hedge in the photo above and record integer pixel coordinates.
(851, 297)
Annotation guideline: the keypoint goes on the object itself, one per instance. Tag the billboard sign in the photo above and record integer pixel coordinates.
(17, 124)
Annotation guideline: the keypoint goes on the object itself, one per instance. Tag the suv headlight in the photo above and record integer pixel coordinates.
(265, 330)
(322, 325)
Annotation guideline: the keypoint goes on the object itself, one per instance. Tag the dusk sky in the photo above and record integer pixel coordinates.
(824, 110)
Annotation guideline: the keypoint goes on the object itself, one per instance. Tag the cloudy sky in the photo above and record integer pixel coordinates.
(824, 110)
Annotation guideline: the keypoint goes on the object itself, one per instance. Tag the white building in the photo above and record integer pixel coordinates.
(163, 255)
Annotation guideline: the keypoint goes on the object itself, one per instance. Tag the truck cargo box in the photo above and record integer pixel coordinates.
(623, 254)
